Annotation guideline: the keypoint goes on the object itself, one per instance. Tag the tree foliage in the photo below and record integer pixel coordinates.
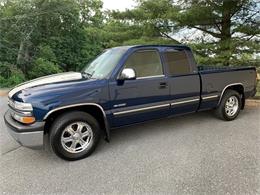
(10, 75)
(230, 28)
(40, 37)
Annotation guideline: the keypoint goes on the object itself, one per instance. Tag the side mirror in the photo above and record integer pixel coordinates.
(127, 74)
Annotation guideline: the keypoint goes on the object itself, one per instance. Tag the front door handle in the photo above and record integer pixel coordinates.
(163, 85)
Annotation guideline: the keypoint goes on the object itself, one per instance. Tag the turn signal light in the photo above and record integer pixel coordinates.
(27, 119)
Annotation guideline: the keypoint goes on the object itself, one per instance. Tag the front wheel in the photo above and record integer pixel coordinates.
(229, 106)
(74, 135)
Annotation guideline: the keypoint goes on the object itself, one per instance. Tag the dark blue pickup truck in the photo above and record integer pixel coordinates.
(122, 86)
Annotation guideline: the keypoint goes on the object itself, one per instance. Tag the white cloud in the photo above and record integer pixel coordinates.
(118, 4)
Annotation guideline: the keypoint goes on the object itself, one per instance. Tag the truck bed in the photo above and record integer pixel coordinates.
(214, 81)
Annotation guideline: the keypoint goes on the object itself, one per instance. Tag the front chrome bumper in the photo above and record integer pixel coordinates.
(30, 136)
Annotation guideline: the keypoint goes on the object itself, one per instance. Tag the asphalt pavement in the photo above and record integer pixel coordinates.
(192, 154)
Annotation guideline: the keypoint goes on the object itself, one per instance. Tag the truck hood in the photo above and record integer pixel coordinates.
(56, 78)
(48, 93)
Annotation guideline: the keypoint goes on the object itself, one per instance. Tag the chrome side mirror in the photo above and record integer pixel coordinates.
(127, 74)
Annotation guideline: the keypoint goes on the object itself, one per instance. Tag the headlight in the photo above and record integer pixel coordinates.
(22, 112)
(21, 106)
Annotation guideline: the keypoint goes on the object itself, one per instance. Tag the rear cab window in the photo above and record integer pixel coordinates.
(177, 62)
(146, 63)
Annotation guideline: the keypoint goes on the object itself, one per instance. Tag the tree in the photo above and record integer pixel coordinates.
(230, 27)
(39, 37)
(150, 19)
(232, 23)
(54, 31)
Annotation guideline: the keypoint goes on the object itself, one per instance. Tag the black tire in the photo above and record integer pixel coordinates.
(221, 112)
(64, 121)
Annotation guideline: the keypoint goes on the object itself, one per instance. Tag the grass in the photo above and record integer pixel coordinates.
(258, 89)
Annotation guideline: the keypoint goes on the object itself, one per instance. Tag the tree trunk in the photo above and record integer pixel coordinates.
(19, 58)
(23, 56)
(225, 41)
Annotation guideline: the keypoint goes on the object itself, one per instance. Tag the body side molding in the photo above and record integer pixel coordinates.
(140, 109)
(185, 101)
(210, 97)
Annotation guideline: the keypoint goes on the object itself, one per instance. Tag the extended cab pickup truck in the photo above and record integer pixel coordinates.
(122, 86)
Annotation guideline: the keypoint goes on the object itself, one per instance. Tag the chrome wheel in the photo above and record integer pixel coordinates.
(231, 106)
(76, 137)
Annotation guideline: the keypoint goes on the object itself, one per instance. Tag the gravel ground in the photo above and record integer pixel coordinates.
(193, 154)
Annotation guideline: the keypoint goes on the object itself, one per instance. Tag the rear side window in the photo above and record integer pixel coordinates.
(177, 62)
(145, 63)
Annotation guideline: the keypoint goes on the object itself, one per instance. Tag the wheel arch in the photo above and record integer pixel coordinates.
(238, 87)
(91, 108)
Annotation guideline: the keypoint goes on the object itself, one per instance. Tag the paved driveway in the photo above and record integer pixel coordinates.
(193, 154)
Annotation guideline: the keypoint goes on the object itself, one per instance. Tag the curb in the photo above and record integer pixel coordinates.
(4, 92)
(253, 102)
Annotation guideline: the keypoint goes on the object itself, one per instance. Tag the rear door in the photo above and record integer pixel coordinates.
(184, 81)
(145, 97)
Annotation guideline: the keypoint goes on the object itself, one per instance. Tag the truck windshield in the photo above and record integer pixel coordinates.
(102, 66)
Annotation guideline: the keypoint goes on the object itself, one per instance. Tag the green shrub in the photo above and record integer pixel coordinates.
(10, 75)
(42, 67)
(46, 52)
(2, 81)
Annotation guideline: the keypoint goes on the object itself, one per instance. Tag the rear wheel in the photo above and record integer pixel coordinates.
(229, 106)
(74, 135)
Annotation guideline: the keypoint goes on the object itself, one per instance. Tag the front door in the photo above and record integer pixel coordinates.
(143, 98)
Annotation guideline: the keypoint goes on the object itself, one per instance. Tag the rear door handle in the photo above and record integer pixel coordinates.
(163, 85)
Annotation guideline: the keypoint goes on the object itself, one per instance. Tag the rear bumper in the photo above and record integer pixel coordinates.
(30, 136)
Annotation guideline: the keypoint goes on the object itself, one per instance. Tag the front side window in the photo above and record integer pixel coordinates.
(145, 63)
(177, 62)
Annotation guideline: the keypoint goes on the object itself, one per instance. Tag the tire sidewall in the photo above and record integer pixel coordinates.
(62, 123)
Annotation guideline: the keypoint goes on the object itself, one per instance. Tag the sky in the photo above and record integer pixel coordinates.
(118, 4)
